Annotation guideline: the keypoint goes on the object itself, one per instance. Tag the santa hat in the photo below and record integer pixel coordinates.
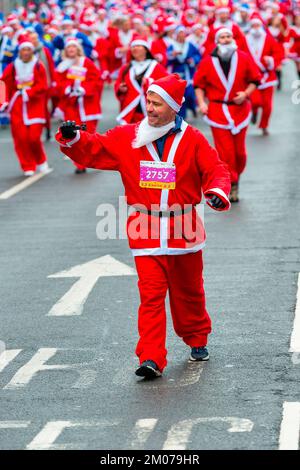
(171, 89)
(222, 9)
(6, 29)
(12, 19)
(72, 41)
(24, 42)
(67, 21)
(139, 41)
(222, 31)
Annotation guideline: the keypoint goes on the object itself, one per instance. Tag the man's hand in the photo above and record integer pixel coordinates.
(203, 108)
(215, 201)
(68, 129)
(240, 97)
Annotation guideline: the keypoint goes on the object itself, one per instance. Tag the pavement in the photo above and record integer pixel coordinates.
(67, 380)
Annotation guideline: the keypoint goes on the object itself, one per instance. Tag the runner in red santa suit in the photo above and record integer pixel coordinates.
(267, 56)
(120, 37)
(133, 81)
(165, 164)
(223, 20)
(79, 89)
(26, 87)
(227, 78)
(294, 37)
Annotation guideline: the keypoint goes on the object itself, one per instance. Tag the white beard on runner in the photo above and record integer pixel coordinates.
(147, 134)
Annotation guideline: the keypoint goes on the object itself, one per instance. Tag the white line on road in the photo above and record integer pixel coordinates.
(14, 424)
(295, 338)
(141, 432)
(178, 435)
(23, 185)
(7, 356)
(290, 426)
(46, 438)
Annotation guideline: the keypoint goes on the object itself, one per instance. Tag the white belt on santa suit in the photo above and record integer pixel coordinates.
(165, 213)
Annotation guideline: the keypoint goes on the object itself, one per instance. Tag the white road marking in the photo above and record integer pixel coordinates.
(295, 337)
(178, 435)
(7, 356)
(23, 185)
(141, 431)
(73, 301)
(14, 424)
(46, 438)
(87, 375)
(290, 426)
(37, 363)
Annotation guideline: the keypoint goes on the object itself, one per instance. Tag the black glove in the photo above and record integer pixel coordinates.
(216, 202)
(68, 129)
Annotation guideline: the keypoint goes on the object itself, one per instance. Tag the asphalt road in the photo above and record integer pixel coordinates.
(90, 398)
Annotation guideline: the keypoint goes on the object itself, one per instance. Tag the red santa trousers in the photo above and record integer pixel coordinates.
(232, 150)
(181, 275)
(28, 145)
(263, 99)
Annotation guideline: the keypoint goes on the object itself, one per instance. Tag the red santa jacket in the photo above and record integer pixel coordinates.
(26, 89)
(85, 77)
(220, 90)
(267, 55)
(294, 38)
(135, 93)
(198, 168)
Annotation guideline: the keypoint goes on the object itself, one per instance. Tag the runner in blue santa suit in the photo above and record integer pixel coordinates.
(183, 58)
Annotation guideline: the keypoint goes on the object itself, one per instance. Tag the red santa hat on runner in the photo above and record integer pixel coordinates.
(171, 89)
(12, 19)
(24, 42)
(140, 41)
(72, 41)
(222, 31)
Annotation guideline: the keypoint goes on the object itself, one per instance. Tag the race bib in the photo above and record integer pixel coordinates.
(76, 73)
(157, 175)
(24, 83)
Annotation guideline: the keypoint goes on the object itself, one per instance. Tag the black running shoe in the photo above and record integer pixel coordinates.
(148, 369)
(199, 354)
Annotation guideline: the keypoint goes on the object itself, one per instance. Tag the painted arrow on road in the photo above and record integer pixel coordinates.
(73, 301)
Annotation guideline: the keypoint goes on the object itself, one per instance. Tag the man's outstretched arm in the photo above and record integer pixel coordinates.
(89, 150)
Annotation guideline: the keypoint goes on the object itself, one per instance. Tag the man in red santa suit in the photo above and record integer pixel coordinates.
(165, 165)
(119, 39)
(79, 88)
(267, 55)
(26, 86)
(133, 81)
(227, 78)
(223, 20)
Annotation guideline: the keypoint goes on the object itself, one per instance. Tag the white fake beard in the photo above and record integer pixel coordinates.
(226, 50)
(147, 134)
(256, 33)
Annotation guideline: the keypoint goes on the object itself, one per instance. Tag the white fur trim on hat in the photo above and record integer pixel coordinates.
(26, 44)
(165, 96)
(223, 10)
(223, 31)
(139, 42)
(256, 21)
(6, 29)
(72, 42)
